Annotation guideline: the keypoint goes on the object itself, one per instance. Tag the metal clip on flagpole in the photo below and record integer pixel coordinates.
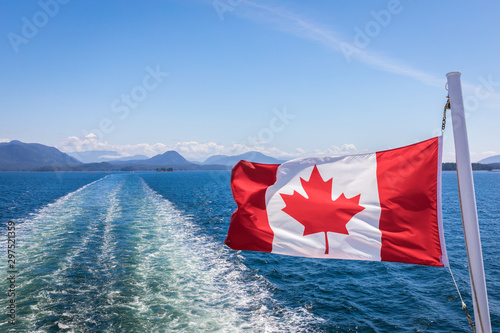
(468, 205)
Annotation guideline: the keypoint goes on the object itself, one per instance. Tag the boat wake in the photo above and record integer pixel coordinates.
(116, 256)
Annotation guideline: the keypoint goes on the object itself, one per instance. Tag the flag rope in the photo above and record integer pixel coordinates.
(464, 306)
(446, 107)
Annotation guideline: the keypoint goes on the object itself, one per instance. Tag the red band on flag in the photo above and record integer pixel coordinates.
(408, 189)
(249, 182)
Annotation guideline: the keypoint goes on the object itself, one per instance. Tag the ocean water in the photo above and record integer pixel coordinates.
(144, 252)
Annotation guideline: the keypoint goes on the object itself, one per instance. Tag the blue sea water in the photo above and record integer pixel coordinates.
(144, 252)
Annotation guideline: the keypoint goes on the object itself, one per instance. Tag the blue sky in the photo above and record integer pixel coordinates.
(288, 78)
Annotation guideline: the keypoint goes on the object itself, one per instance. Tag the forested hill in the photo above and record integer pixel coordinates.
(475, 166)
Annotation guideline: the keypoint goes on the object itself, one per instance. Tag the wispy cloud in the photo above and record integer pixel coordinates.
(283, 19)
(294, 24)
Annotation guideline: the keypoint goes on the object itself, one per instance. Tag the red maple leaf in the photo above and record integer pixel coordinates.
(318, 212)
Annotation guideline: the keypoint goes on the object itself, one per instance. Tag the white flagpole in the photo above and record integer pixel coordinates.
(468, 205)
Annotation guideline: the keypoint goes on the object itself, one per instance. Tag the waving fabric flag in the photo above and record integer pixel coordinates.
(383, 206)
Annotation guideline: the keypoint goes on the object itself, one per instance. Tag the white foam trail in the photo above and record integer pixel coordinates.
(51, 249)
(37, 237)
(25, 225)
(116, 256)
(217, 292)
(98, 266)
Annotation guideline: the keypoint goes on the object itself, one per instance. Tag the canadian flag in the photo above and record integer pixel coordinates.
(383, 206)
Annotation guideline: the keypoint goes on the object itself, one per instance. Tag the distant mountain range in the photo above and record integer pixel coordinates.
(98, 156)
(253, 156)
(16, 155)
(490, 160)
(170, 158)
(19, 156)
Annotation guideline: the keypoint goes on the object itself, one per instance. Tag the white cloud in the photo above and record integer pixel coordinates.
(91, 142)
(75, 144)
(198, 151)
(346, 149)
(201, 151)
(5, 140)
(192, 150)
